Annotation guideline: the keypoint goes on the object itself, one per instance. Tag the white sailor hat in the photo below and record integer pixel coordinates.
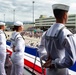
(60, 6)
(18, 23)
(2, 23)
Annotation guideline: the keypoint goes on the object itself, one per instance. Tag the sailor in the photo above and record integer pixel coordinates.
(18, 47)
(58, 61)
(2, 48)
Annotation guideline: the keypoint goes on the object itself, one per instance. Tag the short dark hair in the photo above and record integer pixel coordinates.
(15, 28)
(58, 13)
(1, 26)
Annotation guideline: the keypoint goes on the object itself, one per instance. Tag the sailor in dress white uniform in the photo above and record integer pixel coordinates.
(63, 57)
(18, 46)
(2, 48)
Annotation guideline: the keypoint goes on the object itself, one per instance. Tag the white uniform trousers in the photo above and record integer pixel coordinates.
(2, 63)
(17, 69)
(57, 71)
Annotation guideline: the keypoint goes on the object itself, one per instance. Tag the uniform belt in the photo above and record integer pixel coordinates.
(16, 51)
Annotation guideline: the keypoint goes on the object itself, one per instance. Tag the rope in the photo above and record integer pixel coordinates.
(34, 63)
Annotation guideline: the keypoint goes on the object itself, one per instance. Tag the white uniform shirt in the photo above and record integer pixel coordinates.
(2, 41)
(19, 43)
(63, 58)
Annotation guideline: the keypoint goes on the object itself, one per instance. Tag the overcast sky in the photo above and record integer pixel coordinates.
(24, 8)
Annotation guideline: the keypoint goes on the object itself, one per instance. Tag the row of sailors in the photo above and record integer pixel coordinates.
(18, 47)
(57, 60)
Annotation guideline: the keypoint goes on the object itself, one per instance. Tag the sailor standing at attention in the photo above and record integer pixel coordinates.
(59, 53)
(2, 48)
(18, 47)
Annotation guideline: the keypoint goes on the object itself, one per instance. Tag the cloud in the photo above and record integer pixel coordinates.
(73, 8)
(24, 8)
(73, 5)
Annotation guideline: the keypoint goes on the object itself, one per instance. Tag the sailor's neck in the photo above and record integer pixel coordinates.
(1, 30)
(60, 21)
(18, 31)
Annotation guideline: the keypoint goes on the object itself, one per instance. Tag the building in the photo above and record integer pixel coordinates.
(29, 25)
(45, 22)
